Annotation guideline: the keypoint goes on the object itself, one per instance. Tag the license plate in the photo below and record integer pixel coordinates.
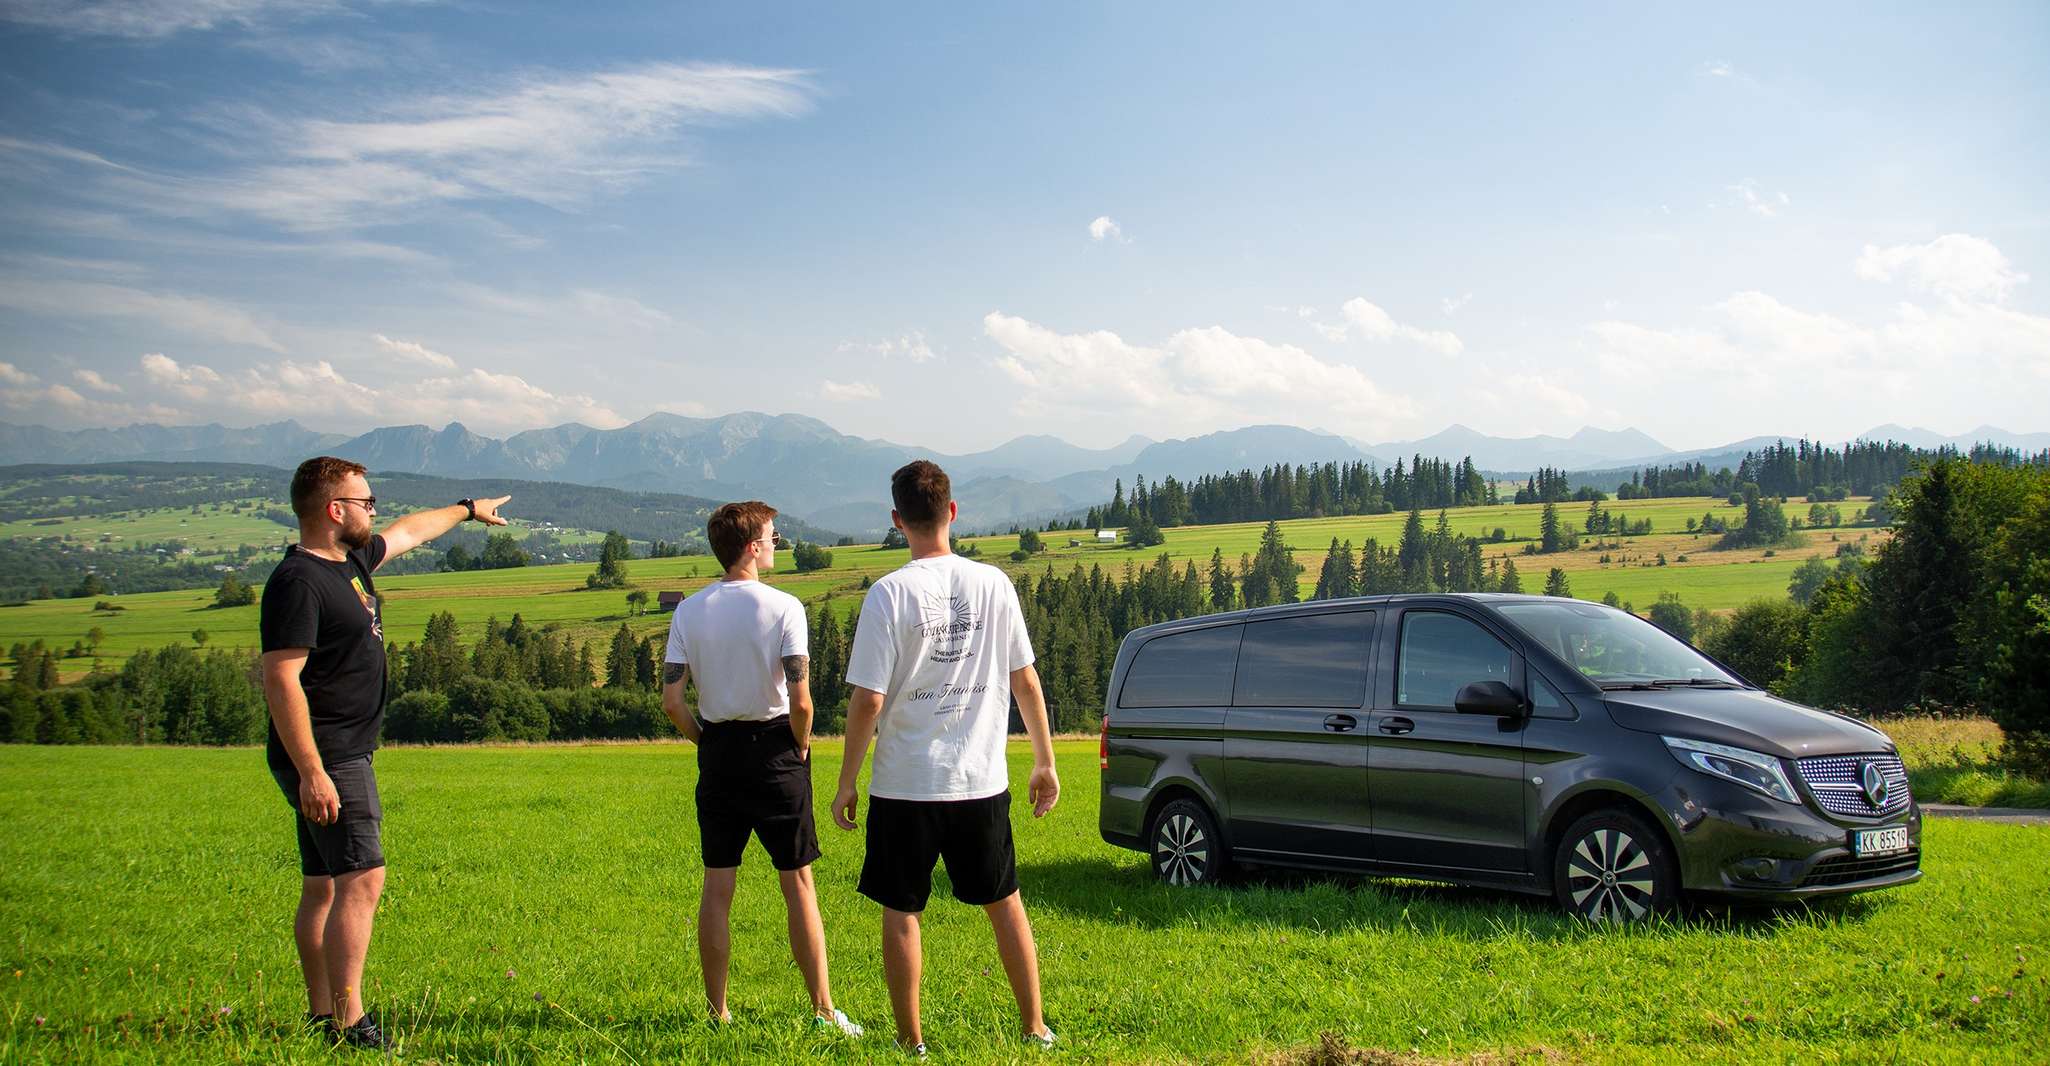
(1879, 841)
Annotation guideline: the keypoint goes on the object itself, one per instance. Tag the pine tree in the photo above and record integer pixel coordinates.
(619, 662)
(1549, 538)
(612, 557)
(1222, 592)
(1555, 583)
(1511, 582)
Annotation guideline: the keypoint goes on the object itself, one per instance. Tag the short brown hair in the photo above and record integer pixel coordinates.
(313, 484)
(921, 491)
(733, 526)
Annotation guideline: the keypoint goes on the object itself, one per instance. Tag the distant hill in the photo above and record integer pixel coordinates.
(838, 481)
(52, 490)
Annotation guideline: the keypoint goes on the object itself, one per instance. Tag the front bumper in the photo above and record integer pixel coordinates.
(1738, 844)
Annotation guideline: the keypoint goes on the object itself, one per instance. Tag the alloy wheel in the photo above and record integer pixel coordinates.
(1181, 850)
(1610, 877)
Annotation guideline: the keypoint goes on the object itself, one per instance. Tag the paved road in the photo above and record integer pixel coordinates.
(2004, 815)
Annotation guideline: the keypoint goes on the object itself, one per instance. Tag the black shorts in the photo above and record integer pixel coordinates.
(905, 837)
(751, 779)
(351, 842)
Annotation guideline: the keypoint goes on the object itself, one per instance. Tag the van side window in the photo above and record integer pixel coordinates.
(1189, 669)
(1442, 653)
(1545, 701)
(1316, 661)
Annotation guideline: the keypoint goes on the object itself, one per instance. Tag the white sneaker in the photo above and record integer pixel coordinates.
(1042, 1041)
(837, 1020)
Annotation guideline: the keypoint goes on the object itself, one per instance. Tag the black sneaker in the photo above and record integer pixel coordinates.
(321, 1024)
(366, 1035)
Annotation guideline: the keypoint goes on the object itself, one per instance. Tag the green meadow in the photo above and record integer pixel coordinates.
(541, 898)
(1718, 580)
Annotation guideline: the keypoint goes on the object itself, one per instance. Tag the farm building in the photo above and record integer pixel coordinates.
(1106, 536)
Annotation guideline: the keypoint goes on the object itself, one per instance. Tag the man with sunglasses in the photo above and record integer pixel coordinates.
(324, 679)
(746, 645)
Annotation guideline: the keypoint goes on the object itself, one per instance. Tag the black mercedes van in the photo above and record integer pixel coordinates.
(1535, 743)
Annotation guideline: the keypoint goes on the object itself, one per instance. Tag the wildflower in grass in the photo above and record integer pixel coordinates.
(39, 1021)
(510, 974)
(1975, 999)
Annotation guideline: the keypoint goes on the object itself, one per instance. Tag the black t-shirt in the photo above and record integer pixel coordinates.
(332, 609)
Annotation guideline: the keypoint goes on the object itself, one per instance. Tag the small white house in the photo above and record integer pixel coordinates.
(1106, 536)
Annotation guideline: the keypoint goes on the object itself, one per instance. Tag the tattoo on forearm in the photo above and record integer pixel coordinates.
(674, 672)
(796, 668)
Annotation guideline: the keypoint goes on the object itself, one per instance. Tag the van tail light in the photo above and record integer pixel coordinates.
(1103, 746)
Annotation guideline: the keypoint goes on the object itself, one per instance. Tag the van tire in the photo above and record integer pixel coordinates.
(1614, 868)
(1183, 845)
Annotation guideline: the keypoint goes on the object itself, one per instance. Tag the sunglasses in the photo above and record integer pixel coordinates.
(776, 541)
(368, 503)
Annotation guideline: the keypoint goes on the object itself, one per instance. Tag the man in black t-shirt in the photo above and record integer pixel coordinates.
(323, 677)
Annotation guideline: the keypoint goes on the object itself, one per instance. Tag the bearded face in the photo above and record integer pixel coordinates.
(356, 531)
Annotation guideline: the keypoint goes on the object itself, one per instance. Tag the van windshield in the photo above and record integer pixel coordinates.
(1613, 648)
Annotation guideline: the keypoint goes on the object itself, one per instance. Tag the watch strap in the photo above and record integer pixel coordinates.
(469, 505)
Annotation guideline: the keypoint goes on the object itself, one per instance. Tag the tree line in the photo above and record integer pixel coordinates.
(1287, 490)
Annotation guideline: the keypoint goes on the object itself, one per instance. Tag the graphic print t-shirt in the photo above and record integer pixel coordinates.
(330, 608)
(939, 638)
(733, 635)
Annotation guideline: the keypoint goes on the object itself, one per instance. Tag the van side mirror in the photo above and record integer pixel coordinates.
(1490, 698)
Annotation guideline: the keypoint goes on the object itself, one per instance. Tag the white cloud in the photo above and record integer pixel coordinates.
(294, 389)
(1452, 304)
(413, 350)
(558, 140)
(1105, 227)
(91, 379)
(1371, 323)
(1747, 195)
(1716, 68)
(15, 376)
(911, 345)
(849, 391)
(194, 316)
(1526, 395)
(1198, 379)
(1955, 264)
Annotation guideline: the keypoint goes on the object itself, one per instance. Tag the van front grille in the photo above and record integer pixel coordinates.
(1838, 781)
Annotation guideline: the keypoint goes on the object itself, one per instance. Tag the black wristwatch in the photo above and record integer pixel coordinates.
(469, 505)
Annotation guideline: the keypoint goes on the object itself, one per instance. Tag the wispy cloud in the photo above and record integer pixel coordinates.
(910, 344)
(849, 391)
(558, 140)
(1747, 195)
(413, 351)
(17, 146)
(189, 315)
(158, 19)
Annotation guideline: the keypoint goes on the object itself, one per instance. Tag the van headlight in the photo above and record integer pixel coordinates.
(1752, 769)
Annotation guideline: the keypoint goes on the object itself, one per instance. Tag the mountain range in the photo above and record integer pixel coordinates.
(840, 482)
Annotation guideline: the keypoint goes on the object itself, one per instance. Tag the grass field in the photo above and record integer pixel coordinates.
(540, 900)
(1717, 580)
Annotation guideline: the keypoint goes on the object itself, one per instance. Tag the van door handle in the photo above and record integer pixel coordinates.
(1340, 723)
(1397, 725)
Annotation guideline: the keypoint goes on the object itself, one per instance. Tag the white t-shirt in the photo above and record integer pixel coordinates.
(734, 635)
(939, 639)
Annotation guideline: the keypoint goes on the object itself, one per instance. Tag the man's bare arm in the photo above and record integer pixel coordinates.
(286, 697)
(1045, 789)
(864, 708)
(420, 527)
(674, 676)
(797, 678)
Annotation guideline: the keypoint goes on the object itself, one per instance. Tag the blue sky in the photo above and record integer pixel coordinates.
(950, 226)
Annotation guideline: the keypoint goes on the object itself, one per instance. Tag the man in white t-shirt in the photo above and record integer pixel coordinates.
(746, 644)
(939, 653)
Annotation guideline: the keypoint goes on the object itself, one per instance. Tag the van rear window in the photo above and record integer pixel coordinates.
(1189, 669)
(1317, 661)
